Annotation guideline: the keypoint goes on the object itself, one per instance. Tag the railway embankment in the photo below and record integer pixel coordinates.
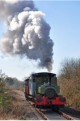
(19, 108)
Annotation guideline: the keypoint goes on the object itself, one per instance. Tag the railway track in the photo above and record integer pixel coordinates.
(66, 116)
(52, 115)
(72, 112)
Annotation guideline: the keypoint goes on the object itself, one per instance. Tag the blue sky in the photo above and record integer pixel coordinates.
(64, 19)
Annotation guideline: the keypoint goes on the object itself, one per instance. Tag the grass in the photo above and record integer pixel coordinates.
(13, 107)
(5, 101)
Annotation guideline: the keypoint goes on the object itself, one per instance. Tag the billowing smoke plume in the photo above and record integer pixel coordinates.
(27, 33)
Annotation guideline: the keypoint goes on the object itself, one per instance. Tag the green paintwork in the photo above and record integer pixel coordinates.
(41, 88)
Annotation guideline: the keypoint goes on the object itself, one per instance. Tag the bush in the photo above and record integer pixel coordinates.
(69, 81)
(5, 99)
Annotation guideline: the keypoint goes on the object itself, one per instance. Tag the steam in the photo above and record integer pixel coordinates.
(27, 32)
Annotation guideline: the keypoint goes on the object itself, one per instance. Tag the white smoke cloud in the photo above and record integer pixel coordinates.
(28, 32)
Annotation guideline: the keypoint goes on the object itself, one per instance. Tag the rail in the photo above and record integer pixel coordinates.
(45, 117)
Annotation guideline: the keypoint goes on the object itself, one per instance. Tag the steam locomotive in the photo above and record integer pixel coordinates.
(42, 88)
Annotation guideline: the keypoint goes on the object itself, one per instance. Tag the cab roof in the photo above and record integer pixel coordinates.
(40, 74)
(43, 74)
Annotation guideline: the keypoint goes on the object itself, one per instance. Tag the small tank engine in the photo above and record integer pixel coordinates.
(43, 89)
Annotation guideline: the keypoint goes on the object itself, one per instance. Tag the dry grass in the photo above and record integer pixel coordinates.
(19, 108)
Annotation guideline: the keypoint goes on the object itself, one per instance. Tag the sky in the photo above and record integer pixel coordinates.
(64, 19)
